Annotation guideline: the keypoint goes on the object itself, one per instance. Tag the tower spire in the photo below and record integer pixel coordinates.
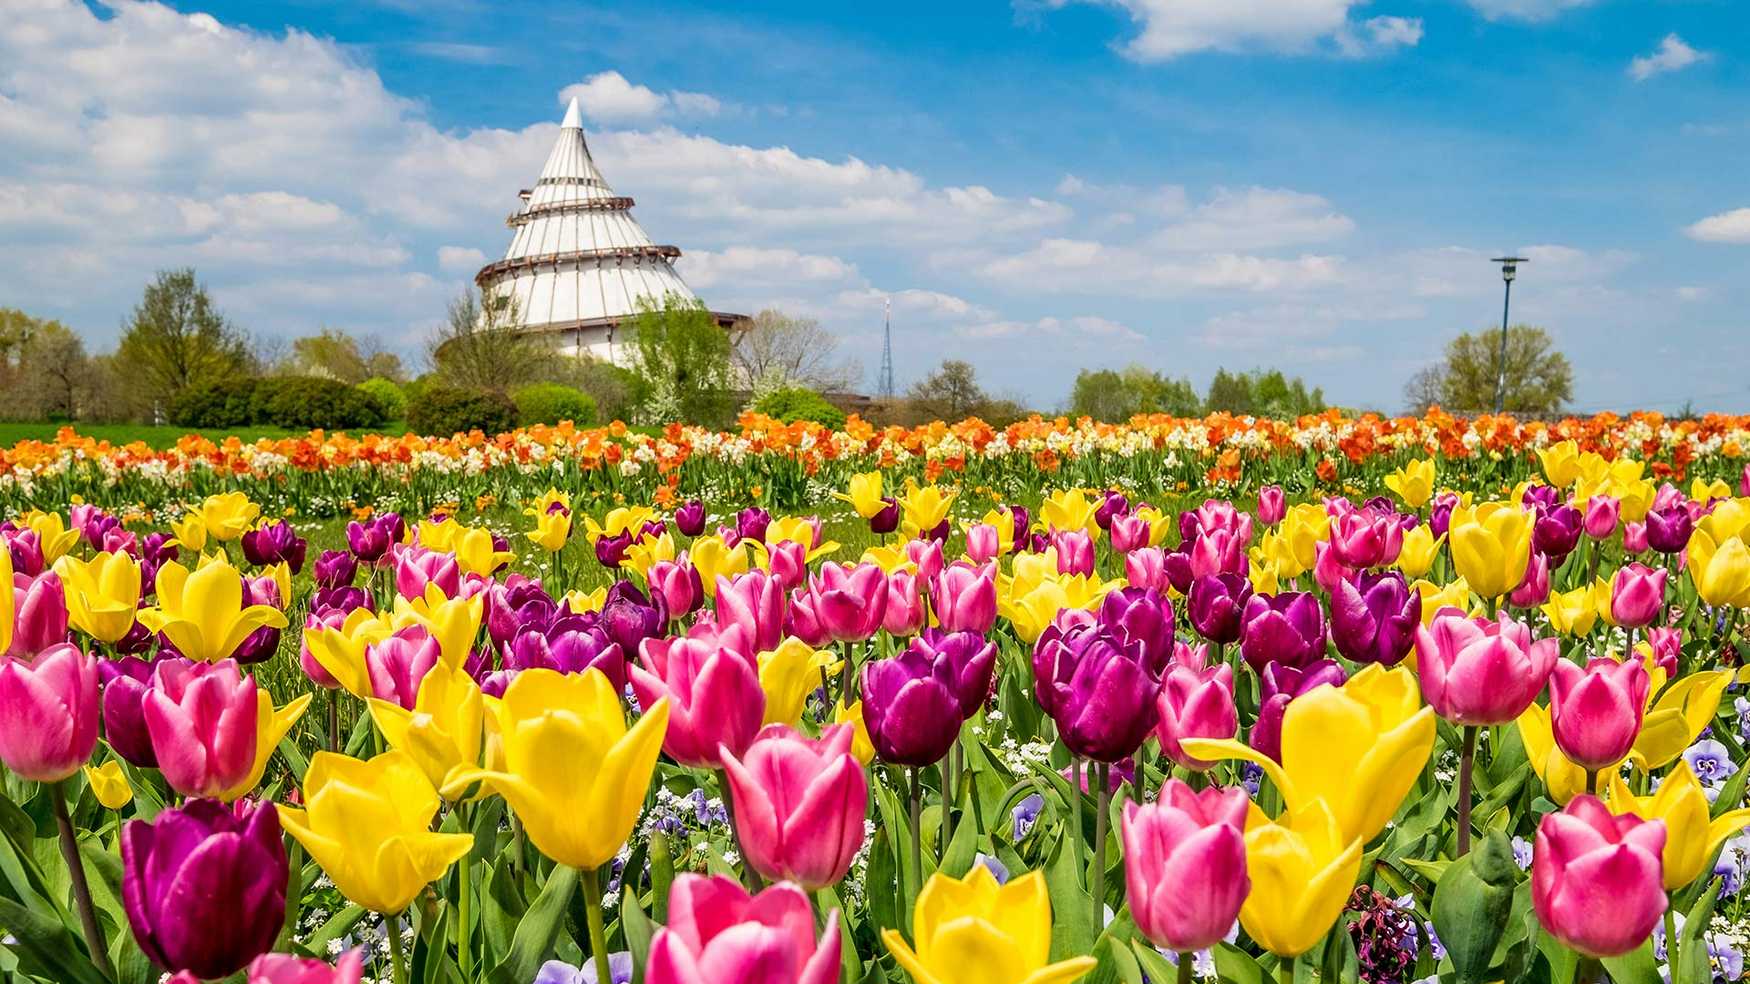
(885, 383)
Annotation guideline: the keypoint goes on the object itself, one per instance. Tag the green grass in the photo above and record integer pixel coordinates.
(158, 437)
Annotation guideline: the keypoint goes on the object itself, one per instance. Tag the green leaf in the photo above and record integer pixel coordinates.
(1732, 793)
(1694, 958)
(538, 929)
(1235, 966)
(501, 908)
(1471, 904)
(1636, 967)
(638, 930)
(338, 925)
(1075, 923)
(1153, 964)
(45, 948)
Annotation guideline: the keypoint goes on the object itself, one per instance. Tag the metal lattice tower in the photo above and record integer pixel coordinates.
(885, 383)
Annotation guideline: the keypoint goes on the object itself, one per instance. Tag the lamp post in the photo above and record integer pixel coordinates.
(1509, 270)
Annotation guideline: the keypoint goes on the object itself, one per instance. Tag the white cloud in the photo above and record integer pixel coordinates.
(1672, 55)
(460, 259)
(1254, 219)
(607, 97)
(1081, 328)
(1527, 10)
(1172, 28)
(1083, 266)
(743, 267)
(472, 54)
(1726, 227)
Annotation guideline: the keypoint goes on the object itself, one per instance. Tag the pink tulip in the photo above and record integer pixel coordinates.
(788, 563)
(1637, 592)
(399, 664)
(1597, 881)
(1146, 567)
(281, 968)
(1474, 671)
(1216, 552)
(905, 605)
(415, 567)
(1220, 514)
(679, 585)
(965, 598)
(983, 543)
(1602, 513)
(715, 701)
(318, 674)
(1195, 703)
(1130, 532)
(1272, 505)
(1634, 537)
(1363, 538)
(48, 713)
(802, 621)
(926, 557)
(719, 934)
(1596, 711)
(1328, 571)
(202, 721)
(1533, 590)
(849, 602)
(1667, 646)
(1185, 865)
(1075, 551)
(799, 804)
(40, 613)
(1744, 482)
(1195, 656)
(754, 603)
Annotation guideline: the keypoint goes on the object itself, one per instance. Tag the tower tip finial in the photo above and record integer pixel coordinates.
(573, 116)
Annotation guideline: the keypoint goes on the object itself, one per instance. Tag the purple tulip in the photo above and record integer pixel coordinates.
(123, 683)
(156, 550)
(1097, 688)
(629, 618)
(349, 598)
(1440, 512)
(887, 520)
(1540, 497)
(1282, 684)
(1557, 532)
(204, 885)
(26, 549)
(971, 659)
(1374, 618)
(1144, 617)
(1113, 505)
(1215, 604)
(370, 543)
(610, 551)
(1668, 529)
(335, 569)
(689, 517)
(1075, 551)
(518, 603)
(1023, 520)
(1272, 504)
(911, 706)
(275, 543)
(572, 644)
(751, 523)
(1287, 628)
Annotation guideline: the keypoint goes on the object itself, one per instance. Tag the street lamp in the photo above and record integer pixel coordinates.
(1509, 270)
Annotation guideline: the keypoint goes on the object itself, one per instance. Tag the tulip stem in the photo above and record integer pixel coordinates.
(81, 888)
(397, 963)
(1285, 970)
(753, 877)
(1467, 759)
(917, 850)
(464, 901)
(1592, 782)
(1076, 791)
(1672, 943)
(1186, 959)
(334, 719)
(1104, 798)
(598, 934)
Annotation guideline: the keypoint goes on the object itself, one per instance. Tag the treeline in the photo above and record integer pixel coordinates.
(1117, 395)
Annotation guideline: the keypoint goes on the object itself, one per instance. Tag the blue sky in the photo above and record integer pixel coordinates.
(1039, 185)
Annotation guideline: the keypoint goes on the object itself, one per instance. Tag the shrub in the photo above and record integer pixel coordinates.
(440, 411)
(798, 403)
(311, 401)
(550, 403)
(388, 395)
(227, 403)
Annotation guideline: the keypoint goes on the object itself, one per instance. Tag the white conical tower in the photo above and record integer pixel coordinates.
(578, 263)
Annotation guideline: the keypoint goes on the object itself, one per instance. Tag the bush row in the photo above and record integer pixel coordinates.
(293, 402)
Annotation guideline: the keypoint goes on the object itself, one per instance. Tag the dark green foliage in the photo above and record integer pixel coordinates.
(800, 403)
(440, 411)
(311, 402)
(227, 403)
(551, 403)
(1261, 393)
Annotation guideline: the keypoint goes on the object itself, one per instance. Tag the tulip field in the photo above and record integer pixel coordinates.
(1252, 701)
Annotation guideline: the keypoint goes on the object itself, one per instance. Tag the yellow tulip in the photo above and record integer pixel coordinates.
(1721, 571)
(1420, 548)
(864, 495)
(550, 498)
(1562, 779)
(477, 554)
(1491, 546)
(1359, 748)
(1675, 719)
(622, 519)
(445, 730)
(228, 516)
(190, 531)
(1561, 463)
(891, 559)
(1069, 511)
(53, 536)
(798, 529)
(8, 604)
(1031, 570)
(651, 550)
(271, 727)
(1303, 529)
(341, 651)
(1265, 578)
(453, 622)
(579, 601)
(973, 931)
(1003, 520)
(573, 772)
(368, 825)
(788, 674)
(1454, 594)
(1702, 490)
(922, 508)
(711, 557)
(1158, 523)
(1413, 483)
(203, 613)
(1574, 613)
(109, 784)
(861, 746)
(1691, 839)
(551, 530)
(1303, 868)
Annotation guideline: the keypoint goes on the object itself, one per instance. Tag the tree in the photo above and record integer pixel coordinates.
(479, 347)
(949, 393)
(1539, 379)
(777, 351)
(1116, 396)
(57, 371)
(176, 339)
(1425, 390)
(335, 354)
(683, 357)
(1261, 393)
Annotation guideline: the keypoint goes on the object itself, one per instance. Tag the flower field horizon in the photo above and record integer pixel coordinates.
(1358, 699)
